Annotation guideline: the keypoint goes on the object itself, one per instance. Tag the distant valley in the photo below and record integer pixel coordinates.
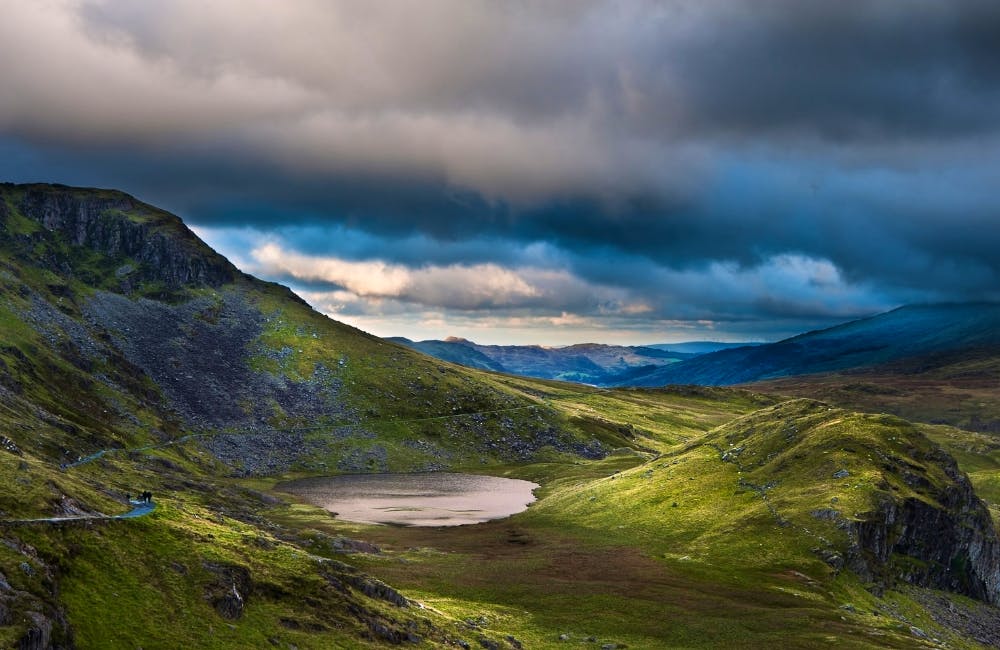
(586, 363)
(936, 363)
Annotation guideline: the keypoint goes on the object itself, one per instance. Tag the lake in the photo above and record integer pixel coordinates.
(432, 499)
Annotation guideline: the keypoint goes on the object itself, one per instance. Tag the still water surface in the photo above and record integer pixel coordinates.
(434, 499)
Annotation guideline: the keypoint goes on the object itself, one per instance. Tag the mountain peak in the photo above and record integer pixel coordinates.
(137, 245)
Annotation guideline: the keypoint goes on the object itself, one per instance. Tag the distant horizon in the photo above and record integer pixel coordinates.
(567, 345)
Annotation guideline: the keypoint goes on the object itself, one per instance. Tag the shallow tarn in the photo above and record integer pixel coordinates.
(431, 499)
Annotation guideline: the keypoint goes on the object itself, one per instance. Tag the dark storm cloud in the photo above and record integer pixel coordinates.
(844, 70)
(772, 160)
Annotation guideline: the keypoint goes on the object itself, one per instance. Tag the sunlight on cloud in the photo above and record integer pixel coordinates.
(456, 286)
(556, 304)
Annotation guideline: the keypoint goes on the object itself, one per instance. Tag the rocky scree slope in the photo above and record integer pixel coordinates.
(154, 334)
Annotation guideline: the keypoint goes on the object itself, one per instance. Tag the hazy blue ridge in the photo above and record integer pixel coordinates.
(905, 332)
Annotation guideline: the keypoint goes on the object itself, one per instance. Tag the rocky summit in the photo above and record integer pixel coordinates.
(153, 398)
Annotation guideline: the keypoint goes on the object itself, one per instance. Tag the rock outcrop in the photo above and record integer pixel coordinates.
(951, 537)
(158, 245)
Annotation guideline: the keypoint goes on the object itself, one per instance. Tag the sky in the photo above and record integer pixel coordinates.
(539, 172)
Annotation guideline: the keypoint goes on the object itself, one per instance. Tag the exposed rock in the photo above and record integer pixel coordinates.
(347, 545)
(974, 620)
(8, 445)
(231, 605)
(377, 589)
(832, 558)
(164, 248)
(829, 514)
(954, 539)
(841, 473)
(373, 459)
(229, 590)
(39, 634)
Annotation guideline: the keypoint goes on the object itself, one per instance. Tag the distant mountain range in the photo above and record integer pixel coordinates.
(700, 347)
(588, 363)
(910, 332)
(932, 333)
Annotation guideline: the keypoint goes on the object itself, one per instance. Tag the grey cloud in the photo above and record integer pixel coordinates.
(846, 70)
(514, 100)
(627, 143)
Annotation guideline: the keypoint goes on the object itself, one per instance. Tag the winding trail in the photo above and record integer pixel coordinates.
(139, 509)
(83, 460)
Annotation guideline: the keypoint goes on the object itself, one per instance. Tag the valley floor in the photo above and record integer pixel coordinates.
(666, 543)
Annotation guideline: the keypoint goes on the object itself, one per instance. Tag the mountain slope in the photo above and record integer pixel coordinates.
(698, 347)
(140, 316)
(956, 388)
(453, 351)
(902, 333)
(863, 492)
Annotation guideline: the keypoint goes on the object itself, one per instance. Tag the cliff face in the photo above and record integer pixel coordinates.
(952, 538)
(153, 245)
